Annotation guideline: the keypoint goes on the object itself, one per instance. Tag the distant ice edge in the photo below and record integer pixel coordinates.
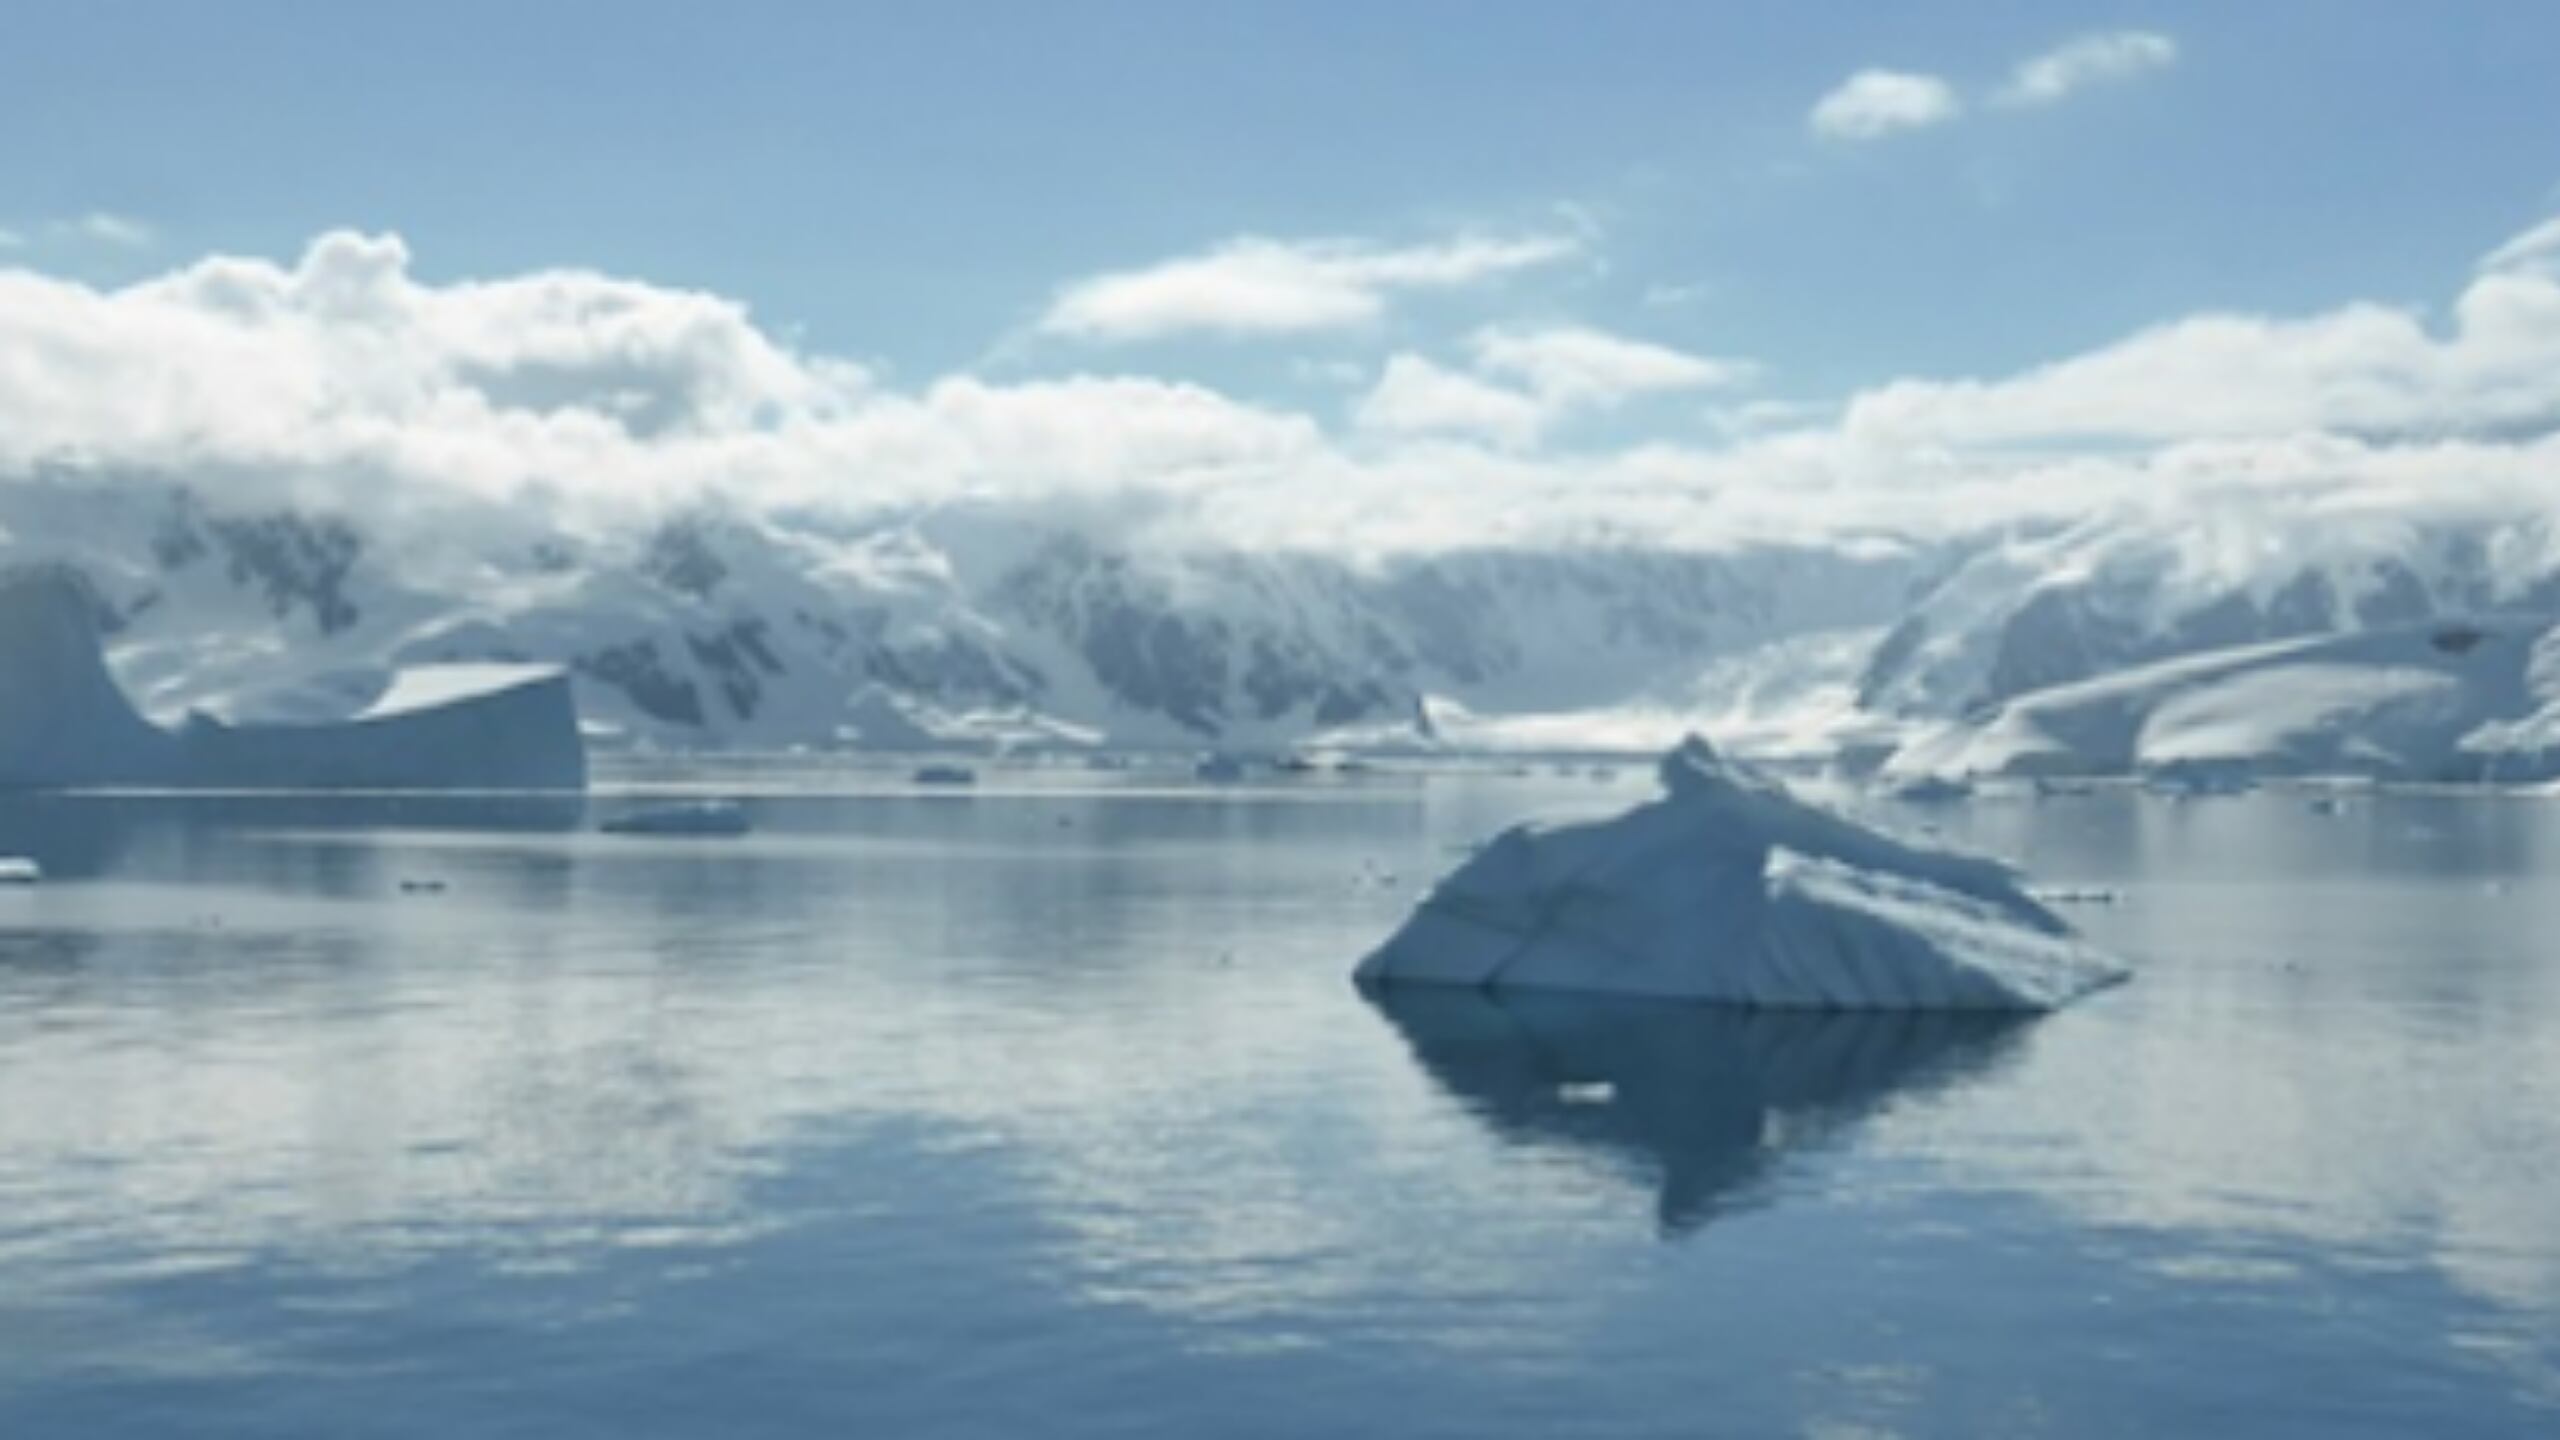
(1729, 889)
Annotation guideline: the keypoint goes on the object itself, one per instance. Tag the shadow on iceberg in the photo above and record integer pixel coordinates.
(1730, 889)
(1700, 1100)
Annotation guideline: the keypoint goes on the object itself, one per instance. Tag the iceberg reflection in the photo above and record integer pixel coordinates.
(86, 835)
(1705, 1098)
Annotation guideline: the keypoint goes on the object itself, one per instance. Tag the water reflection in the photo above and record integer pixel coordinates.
(1701, 1099)
(85, 836)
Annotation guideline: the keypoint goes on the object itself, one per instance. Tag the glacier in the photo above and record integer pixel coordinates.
(1729, 889)
(2449, 701)
(66, 723)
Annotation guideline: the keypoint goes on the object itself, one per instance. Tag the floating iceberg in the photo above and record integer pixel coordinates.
(64, 722)
(1729, 889)
(19, 870)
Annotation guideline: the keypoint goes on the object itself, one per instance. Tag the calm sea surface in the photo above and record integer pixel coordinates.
(1046, 1109)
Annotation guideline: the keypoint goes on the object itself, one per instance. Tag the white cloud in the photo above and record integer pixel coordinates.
(1259, 286)
(1524, 382)
(344, 377)
(342, 381)
(121, 231)
(1413, 396)
(2084, 61)
(2362, 369)
(2535, 249)
(97, 228)
(1573, 366)
(1875, 103)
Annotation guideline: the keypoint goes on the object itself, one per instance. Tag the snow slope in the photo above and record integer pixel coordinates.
(1729, 889)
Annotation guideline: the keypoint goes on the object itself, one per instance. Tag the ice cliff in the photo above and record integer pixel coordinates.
(1729, 889)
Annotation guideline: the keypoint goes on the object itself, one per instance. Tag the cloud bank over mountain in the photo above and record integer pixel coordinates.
(342, 380)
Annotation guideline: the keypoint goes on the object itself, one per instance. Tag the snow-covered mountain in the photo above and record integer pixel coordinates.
(971, 624)
(713, 630)
(2377, 645)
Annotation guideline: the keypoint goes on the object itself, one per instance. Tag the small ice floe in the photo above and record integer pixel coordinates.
(699, 817)
(19, 870)
(1586, 1092)
(416, 886)
(1730, 889)
(944, 775)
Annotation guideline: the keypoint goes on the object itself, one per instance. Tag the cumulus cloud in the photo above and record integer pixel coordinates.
(2362, 369)
(2087, 60)
(341, 381)
(344, 373)
(1875, 103)
(1256, 286)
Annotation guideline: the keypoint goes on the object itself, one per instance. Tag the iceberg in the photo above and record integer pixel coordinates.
(64, 722)
(1729, 889)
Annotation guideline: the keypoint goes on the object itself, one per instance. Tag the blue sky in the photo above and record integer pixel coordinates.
(908, 182)
(1668, 255)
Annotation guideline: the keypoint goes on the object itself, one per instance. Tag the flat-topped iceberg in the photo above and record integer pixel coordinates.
(65, 724)
(1729, 889)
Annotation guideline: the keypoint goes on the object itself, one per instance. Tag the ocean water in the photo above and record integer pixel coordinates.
(1045, 1108)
